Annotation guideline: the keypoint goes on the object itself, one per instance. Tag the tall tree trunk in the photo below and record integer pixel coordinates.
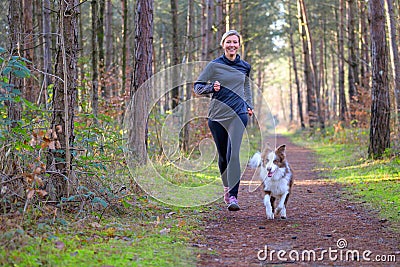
(64, 99)
(100, 46)
(189, 46)
(296, 75)
(95, 73)
(47, 55)
(342, 95)
(30, 93)
(365, 55)
(353, 79)
(394, 58)
(14, 108)
(311, 104)
(124, 39)
(109, 46)
(379, 138)
(203, 29)
(314, 67)
(140, 91)
(175, 50)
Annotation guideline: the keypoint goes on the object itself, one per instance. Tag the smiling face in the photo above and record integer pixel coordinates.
(231, 46)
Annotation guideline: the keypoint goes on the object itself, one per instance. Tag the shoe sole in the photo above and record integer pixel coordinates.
(233, 207)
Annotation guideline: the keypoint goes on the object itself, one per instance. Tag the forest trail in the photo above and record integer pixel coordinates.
(319, 218)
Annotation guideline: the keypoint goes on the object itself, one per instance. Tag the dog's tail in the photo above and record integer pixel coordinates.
(255, 161)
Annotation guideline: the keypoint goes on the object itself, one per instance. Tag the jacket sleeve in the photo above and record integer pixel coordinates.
(202, 88)
(203, 85)
(247, 91)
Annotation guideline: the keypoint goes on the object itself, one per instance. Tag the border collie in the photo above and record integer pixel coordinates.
(277, 179)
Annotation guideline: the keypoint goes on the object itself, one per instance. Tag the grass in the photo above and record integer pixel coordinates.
(375, 182)
(151, 234)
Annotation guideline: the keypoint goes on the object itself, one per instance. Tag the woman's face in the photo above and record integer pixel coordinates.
(231, 46)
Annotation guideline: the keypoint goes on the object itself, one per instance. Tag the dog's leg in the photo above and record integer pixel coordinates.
(268, 206)
(281, 209)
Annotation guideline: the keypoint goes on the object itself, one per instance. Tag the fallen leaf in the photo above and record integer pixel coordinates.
(30, 193)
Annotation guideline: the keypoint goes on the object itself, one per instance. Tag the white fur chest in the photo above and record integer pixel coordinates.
(278, 184)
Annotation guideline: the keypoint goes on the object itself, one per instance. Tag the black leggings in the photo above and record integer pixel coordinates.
(228, 136)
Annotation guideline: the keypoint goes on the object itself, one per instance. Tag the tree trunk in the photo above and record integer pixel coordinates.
(379, 137)
(342, 95)
(175, 51)
(95, 73)
(311, 106)
(395, 60)
(314, 67)
(365, 55)
(109, 46)
(353, 79)
(30, 93)
(296, 75)
(14, 108)
(64, 100)
(140, 91)
(100, 46)
(189, 46)
(124, 39)
(47, 55)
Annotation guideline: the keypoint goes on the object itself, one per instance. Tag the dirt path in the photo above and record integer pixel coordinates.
(318, 216)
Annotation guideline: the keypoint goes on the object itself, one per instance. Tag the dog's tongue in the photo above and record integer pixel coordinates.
(270, 174)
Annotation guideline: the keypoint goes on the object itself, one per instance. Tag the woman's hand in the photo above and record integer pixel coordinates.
(250, 111)
(217, 86)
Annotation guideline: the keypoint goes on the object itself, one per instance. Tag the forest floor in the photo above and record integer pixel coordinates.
(325, 226)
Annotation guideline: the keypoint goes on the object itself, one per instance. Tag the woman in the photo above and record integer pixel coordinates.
(227, 78)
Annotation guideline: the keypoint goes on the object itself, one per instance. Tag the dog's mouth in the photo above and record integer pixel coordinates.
(270, 173)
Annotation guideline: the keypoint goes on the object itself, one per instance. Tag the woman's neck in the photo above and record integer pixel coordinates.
(230, 57)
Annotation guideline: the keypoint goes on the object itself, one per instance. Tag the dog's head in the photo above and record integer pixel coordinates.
(273, 160)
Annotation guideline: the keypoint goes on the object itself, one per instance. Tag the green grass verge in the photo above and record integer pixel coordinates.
(151, 235)
(376, 182)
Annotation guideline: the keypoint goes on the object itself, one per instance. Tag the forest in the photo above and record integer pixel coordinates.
(93, 92)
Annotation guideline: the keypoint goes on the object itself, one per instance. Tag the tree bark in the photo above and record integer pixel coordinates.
(379, 138)
(124, 39)
(100, 46)
(140, 90)
(394, 59)
(14, 108)
(109, 45)
(95, 73)
(47, 55)
(311, 103)
(296, 75)
(342, 95)
(175, 50)
(30, 92)
(64, 100)
(353, 78)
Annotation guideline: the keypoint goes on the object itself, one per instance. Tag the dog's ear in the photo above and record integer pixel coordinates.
(281, 150)
(266, 151)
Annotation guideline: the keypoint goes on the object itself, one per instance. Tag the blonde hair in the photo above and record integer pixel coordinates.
(230, 33)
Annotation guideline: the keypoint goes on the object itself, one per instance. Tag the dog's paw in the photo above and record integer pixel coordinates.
(270, 216)
(283, 217)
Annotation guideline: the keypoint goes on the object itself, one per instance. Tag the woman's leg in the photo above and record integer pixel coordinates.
(220, 135)
(236, 129)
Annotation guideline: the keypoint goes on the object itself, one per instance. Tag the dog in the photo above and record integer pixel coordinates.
(277, 180)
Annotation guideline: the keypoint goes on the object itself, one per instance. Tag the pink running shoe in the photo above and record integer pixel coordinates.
(233, 204)
(226, 194)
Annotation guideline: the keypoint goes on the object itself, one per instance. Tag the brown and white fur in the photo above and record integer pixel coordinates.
(277, 180)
